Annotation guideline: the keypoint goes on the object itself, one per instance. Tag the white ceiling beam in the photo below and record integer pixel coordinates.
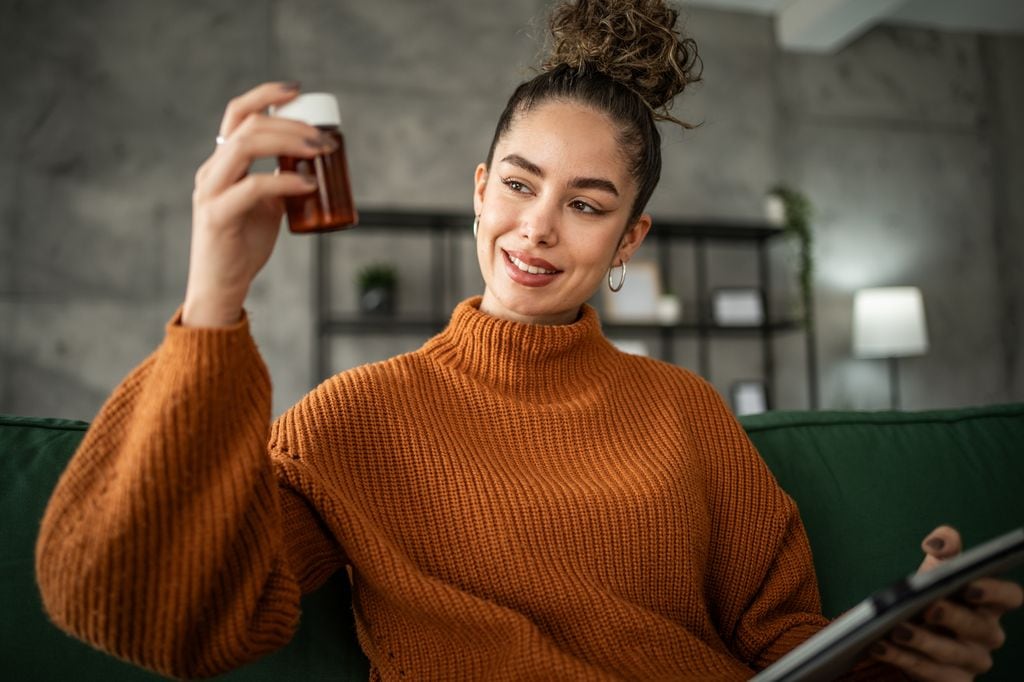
(825, 26)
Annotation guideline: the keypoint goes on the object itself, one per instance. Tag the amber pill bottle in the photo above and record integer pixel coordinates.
(329, 207)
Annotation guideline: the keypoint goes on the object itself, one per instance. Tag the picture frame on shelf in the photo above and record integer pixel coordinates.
(748, 396)
(737, 307)
(637, 301)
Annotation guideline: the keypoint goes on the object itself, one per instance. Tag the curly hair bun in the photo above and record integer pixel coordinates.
(634, 42)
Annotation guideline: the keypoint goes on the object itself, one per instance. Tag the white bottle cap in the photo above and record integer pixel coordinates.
(314, 108)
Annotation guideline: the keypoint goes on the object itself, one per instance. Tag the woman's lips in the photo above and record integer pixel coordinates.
(529, 279)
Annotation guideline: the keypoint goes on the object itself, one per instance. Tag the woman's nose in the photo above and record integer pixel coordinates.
(540, 225)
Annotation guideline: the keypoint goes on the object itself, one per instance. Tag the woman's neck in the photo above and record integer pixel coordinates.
(491, 305)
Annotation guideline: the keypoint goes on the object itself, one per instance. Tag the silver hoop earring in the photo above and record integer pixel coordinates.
(476, 225)
(622, 278)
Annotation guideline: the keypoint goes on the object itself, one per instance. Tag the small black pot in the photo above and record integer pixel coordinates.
(377, 301)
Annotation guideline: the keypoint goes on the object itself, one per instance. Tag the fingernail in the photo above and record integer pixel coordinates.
(936, 614)
(902, 634)
(314, 142)
(975, 593)
(936, 543)
(308, 179)
(291, 86)
(327, 141)
(878, 649)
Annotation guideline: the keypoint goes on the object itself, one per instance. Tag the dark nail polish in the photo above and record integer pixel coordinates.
(291, 86)
(975, 593)
(902, 634)
(878, 649)
(936, 615)
(936, 543)
(314, 142)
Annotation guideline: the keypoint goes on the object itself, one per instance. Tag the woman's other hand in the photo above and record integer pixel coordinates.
(955, 639)
(236, 215)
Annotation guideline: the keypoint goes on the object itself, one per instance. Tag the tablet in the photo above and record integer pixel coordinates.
(836, 648)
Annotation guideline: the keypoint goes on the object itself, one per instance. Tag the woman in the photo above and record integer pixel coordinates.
(516, 499)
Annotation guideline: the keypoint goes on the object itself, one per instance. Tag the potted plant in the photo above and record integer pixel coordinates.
(377, 288)
(791, 209)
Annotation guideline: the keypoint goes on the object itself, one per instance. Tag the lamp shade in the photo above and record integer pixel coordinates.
(889, 322)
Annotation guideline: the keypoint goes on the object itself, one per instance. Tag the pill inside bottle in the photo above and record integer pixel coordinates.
(329, 207)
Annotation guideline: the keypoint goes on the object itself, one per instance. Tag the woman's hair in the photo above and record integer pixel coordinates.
(624, 58)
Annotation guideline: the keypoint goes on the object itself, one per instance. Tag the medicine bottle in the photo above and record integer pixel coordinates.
(329, 207)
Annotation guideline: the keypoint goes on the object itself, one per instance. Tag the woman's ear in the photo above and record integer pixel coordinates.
(634, 237)
(479, 185)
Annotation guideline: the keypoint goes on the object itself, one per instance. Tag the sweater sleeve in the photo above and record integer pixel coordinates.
(761, 581)
(168, 541)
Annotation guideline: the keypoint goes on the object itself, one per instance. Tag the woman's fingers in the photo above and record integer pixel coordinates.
(258, 137)
(940, 649)
(955, 639)
(257, 187)
(966, 624)
(255, 101)
(917, 665)
(995, 595)
(941, 544)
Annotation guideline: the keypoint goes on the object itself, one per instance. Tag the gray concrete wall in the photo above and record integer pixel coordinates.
(908, 142)
(892, 139)
(1004, 58)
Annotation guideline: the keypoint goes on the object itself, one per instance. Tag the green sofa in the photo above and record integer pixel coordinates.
(869, 487)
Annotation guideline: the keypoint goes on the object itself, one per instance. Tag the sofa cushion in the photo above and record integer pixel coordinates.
(871, 485)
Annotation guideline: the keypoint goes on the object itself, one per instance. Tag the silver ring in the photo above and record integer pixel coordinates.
(221, 140)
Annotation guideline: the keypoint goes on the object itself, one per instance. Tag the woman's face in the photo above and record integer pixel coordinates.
(552, 214)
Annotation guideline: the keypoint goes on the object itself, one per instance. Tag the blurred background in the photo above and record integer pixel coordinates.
(901, 122)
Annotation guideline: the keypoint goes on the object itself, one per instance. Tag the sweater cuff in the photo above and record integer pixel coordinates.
(222, 347)
(177, 331)
(175, 321)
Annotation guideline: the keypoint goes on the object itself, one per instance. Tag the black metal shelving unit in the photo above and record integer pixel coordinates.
(445, 279)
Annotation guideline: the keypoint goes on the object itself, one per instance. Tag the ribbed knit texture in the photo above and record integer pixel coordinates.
(516, 502)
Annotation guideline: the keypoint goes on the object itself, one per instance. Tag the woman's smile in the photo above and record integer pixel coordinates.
(529, 271)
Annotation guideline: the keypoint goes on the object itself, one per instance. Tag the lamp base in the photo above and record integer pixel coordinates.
(894, 383)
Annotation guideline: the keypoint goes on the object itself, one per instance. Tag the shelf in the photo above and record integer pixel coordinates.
(406, 220)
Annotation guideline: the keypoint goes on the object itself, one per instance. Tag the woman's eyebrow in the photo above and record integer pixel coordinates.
(529, 166)
(594, 183)
(575, 183)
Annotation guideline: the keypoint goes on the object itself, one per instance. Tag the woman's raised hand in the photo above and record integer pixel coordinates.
(236, 215)
(956, 638)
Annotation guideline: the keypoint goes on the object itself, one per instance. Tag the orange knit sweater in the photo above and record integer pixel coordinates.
(516, 502)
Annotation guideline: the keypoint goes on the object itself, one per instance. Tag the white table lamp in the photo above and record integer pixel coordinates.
(889, 323)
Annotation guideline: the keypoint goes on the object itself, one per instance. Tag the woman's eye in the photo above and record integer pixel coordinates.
(583, 207)
(514, 185)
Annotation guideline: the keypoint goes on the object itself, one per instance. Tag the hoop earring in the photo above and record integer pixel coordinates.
(622, 278)
(476, 225)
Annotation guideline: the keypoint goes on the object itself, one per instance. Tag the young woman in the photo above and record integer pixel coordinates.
(515, 500)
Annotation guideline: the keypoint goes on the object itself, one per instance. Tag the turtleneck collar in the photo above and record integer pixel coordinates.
(536, 362)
